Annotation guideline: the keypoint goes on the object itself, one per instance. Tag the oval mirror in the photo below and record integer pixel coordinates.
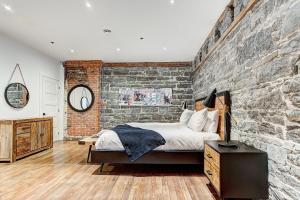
(16, 95)
(81, 98)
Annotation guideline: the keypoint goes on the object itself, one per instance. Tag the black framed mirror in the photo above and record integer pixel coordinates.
(16, 95)
(81, 98)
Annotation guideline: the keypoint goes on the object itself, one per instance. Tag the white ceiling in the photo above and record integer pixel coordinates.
(172, 32)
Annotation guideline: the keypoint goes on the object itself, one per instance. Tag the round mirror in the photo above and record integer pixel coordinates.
(16, 95)
(81, 98)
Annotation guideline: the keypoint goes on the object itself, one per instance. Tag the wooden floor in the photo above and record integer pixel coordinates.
(62, 173)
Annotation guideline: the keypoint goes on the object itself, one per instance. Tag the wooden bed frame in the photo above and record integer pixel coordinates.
(166, 157)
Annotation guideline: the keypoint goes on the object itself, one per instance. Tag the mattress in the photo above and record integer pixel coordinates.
(177, 136)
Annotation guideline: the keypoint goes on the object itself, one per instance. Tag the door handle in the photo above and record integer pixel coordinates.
(208, 172)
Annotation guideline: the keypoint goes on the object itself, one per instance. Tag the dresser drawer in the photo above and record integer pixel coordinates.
(213, 174)
(23, 128)
(212, 156)
(23, 138)
(23, 144)
(207, 168)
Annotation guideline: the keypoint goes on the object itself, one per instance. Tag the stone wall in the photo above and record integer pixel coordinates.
(144, 75)
(80, 124)
(259, 64)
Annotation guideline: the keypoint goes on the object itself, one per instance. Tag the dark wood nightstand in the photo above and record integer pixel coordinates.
(236, 173)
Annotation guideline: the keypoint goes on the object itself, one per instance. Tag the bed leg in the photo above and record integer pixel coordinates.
(89, 154)
(101, 167)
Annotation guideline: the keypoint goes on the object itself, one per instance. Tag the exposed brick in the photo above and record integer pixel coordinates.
(88, 73)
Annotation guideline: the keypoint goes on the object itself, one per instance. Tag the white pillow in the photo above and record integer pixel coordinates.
(198, 120)
(186, 116)
(212, 122)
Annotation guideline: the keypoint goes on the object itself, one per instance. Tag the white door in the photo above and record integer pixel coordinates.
(50, 102)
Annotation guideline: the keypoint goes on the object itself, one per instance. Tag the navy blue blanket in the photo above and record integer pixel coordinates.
(138, 141)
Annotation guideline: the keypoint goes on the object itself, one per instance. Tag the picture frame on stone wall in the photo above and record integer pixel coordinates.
(145, 96)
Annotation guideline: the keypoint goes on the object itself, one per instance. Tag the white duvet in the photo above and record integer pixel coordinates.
(177, 136)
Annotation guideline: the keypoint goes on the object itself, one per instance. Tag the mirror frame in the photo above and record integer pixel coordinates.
(92, 94)
(6, 99)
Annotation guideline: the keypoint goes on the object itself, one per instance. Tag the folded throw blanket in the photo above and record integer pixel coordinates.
(138, 141)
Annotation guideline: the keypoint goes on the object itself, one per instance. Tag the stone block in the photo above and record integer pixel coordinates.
(130, 78)
(239, 5)
(295, 99)
(227, 20)
(294, 158)
(152, 73)
(158, 118)
(293, 135)
(183, 85)
(248, 126)
(163, 110)
(149, 109)
(268, 8)
(293, 115)
(120, 71)
(255, 45)
(142, 118)
(291, 85)
(277, 154)
(183, 78)
(291, 21)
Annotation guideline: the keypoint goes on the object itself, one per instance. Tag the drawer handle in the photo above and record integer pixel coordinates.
(208, 172)
(209, 156)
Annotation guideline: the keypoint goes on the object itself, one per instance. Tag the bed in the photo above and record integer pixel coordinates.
(180, 148)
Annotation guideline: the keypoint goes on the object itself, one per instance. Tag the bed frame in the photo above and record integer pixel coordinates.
(167, 157)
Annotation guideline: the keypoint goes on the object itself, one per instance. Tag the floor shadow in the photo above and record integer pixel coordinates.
(151, 170)
(213, 192)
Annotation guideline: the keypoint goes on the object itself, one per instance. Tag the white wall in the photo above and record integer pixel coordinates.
(33, 63)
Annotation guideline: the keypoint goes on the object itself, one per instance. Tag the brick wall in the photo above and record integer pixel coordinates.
(259, 63)
(144, 75)
(85, 123)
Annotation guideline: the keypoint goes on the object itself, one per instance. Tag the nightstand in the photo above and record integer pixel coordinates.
(236, 173)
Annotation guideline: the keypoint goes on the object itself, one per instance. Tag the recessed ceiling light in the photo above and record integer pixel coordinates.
(165, 48)
(72, 50)
(7, 8)
(106, 30)
(118, 49)
(172, 1)
(88, 4)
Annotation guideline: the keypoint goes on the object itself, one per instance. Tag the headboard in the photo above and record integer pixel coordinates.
(224, 97)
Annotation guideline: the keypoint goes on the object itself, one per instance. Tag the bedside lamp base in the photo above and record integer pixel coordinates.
(228, 144)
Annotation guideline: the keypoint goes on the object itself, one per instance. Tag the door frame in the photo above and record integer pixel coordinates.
(60, 116)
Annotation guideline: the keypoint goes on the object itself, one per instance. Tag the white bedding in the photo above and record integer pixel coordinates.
(177, 136)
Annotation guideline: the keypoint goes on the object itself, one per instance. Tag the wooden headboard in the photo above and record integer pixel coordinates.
(224, 97)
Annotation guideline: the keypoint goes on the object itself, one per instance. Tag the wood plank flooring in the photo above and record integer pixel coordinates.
(62, 173)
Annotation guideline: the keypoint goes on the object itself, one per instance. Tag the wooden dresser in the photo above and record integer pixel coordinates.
(20, 138)
(236, 173)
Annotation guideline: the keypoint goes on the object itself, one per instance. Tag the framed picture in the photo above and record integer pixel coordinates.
(145, 96)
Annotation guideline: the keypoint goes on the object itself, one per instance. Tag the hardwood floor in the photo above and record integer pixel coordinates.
(62, 173)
